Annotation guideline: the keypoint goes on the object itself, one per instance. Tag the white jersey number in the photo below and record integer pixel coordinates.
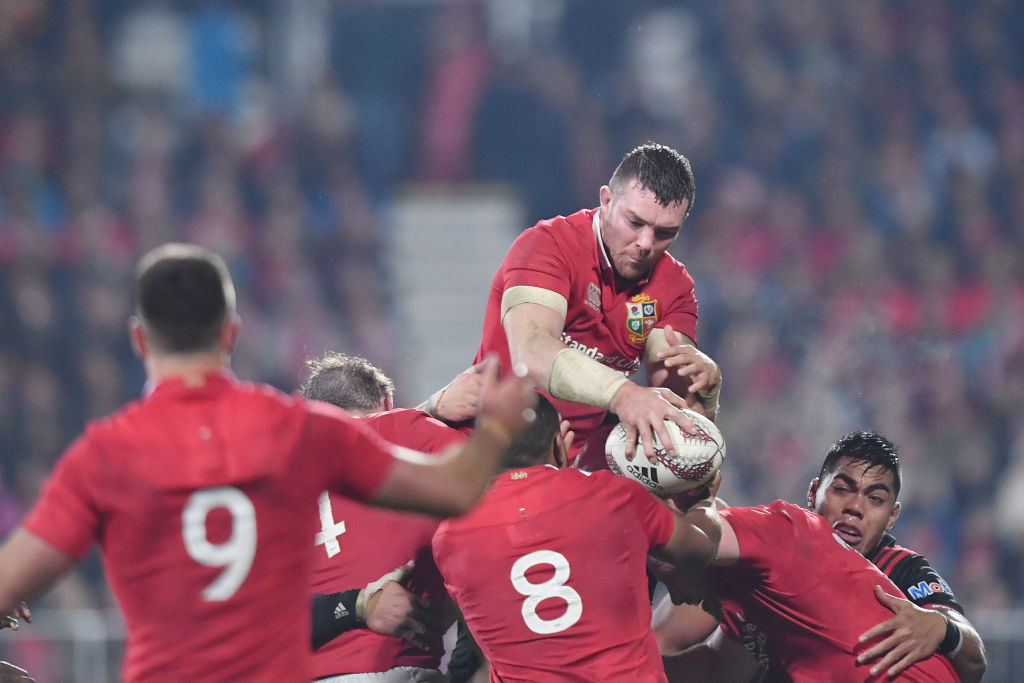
(236, 553)
(552, 588)
(329, 529)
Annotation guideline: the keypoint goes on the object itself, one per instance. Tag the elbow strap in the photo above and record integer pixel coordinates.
(574, 376)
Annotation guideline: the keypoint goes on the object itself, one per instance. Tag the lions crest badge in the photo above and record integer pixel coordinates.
(641, 314)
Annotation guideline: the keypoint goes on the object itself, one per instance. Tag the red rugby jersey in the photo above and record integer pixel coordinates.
(549, 570)
(357, 544)
(606, 319)
(809, 593)
(199, 499)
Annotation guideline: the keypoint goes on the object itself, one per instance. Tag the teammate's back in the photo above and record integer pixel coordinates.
(548, 570)
(205, 521)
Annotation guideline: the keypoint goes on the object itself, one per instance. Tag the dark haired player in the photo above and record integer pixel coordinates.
(583, 300)
(357, 543)
(549, 568)
(856, 492)
(198, 494)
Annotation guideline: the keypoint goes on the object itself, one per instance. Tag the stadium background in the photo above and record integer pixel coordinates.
(856, 239)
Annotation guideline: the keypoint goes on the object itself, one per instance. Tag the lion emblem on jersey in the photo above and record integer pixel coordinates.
(641, 314)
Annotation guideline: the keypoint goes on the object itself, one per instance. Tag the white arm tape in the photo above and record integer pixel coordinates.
(575, 376)
(525, 294)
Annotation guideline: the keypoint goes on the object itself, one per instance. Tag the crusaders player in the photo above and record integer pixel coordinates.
(358, 543)
(549, 568)
(583, 300)
(198, 495)
(856, 492)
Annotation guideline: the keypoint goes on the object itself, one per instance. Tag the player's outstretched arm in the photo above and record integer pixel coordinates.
(914, 633)
(534, 339)
(28, 566)
(451, 484)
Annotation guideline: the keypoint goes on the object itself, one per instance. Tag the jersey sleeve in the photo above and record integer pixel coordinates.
(681, 310)
(535, 259)
(762, 534)
(352, 459)
(922, 585)
(66, 514)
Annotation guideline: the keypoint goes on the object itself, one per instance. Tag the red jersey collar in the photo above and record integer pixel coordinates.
(173, 386)
(512, 476)
(606, 262)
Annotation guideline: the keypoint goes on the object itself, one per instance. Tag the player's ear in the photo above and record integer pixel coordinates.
(138, 339)
(605, 196)
(559, 456)
(812, 492)
(388, 402)
(229, 333)
(893, 516)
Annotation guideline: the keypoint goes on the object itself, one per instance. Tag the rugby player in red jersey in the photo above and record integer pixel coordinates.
(358, 543)
(198, 495)
(548, 569)
(583, 300)
(856, 491)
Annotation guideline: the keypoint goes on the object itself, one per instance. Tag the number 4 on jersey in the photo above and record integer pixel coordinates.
(329, 529)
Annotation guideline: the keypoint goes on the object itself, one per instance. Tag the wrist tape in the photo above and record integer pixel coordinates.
(574, 376)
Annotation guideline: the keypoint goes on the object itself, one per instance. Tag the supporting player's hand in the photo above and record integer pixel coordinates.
(707, 493)
(460, 400)
(391, 610)
(14, 674)
(912, 634)
(689, 361)
(506, 403)
(643, 412)
(10, 620)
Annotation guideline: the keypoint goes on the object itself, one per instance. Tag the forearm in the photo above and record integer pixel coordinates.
(334, 614)
(968, 659)
(451, 483)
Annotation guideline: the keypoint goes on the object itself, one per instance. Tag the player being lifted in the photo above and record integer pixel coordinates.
(583, 300)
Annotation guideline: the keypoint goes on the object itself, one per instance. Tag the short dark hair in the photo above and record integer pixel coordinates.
(349, 382)
(533, 445)
(658, 169)
(867, 447)
(184, 296)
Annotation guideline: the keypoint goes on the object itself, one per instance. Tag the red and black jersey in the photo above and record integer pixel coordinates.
(913, 575)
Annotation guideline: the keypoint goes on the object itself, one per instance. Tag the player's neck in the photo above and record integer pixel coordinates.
(190, 366)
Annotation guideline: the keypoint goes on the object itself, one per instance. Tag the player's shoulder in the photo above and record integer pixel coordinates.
(576, 227)
(671, 271)
(414, 428)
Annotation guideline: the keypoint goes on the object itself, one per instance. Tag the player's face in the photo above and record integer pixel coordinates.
(858, 502)
(636, 229)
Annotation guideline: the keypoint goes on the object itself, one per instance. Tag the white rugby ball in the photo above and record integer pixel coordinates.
(698, 456)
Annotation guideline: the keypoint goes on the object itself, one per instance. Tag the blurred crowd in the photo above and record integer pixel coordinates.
(857, 237)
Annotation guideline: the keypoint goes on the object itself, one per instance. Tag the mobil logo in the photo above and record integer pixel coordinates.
(926, 588)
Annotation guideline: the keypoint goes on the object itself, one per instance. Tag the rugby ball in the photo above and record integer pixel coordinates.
(698, 456)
